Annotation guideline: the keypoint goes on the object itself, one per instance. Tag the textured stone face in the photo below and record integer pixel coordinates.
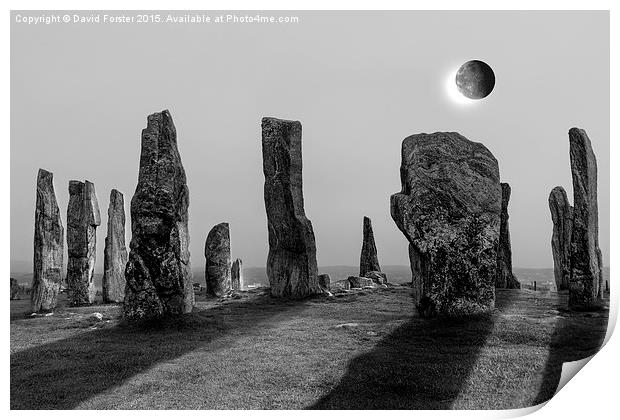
(83, 217)
(449, 211)
(357, 282)
(505, 277)
(115, 252)
(236, 274)
(158, 273)
(325, 282)
(217, 255)
(376, 276)
(368, 259)
(14, 289)
(562, 217)
(48, 246)
(585, 288)
(291, 263)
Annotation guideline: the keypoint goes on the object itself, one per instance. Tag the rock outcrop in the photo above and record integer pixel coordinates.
(236, 274)
(585, 288)
(562, 217)
(376, 276)
(325, 282)
(115, 252)
(48, 246)
(158, 272)
(291, 263)
(505, 277)
(358, 282)
(368, 258)
(83, 217)
(449, 210)
(217, 255)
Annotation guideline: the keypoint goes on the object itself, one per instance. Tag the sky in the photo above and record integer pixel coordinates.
(359, 82)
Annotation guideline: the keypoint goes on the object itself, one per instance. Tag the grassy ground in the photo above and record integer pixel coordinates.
(259, 352)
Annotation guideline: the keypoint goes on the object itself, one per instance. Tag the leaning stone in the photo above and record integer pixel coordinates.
(115, 252)
(48, 246)
(236, 274)
(217, 255)
(449, 211)
(585, 288)
(291, 263)
(14, 289)
(158, 271)
(505, 277)
(562, 217)
(368, 258)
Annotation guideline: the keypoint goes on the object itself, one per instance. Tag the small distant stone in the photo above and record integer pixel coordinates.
(347, 325)
(371, 333)
(96, 316)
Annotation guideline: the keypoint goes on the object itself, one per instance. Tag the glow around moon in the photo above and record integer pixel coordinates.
(452, 91)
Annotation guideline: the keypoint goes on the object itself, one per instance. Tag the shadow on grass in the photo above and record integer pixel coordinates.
(62, 374)
(574, 338)
(422, 365)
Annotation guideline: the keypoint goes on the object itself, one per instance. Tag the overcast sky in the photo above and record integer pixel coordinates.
(359, 82)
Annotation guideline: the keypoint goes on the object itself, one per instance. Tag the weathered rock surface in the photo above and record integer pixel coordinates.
(343, 284)
(449, 211)
(585, 288)
(14, 289)
(505, 277)
(115, 252)
(291, 263)
(48, 246)
(236, 274)
(376, 276)
(368, 258)
(217, 255)
(83, 217)
(325, 282)
(158, 272)
(357, 282)
(562, 217)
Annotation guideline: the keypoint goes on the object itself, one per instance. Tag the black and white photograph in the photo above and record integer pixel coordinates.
(307, 209)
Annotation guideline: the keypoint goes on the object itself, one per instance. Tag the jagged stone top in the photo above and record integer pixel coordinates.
(446, 169)
(85, 193)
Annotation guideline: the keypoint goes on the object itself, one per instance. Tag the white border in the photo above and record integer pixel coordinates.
(591, 395)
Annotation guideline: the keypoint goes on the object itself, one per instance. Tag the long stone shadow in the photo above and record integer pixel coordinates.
(422, 365)
(576, 335)
(62, 374)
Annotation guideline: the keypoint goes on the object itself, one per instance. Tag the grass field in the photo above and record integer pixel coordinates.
(360, 350)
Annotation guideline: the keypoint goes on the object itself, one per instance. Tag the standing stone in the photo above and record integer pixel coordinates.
(585, 288)
(83, 217)
(505, 277)
(158, 272)
(368, 258)
(236, 274)
(449, 211)
(562, 217)
(325, 282)
(291, 263)
(217, 255)
(115, 252)
(48, 246)
(14, 289)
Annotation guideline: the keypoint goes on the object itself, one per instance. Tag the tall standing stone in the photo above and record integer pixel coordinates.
(562, 217)
(368, 258)
(83, 217)
(217, 255)
(115, 252)
(236, 274)
(291, 263)
(505, 277)
(449, 210)
(48, 246)
(585, 288)
(158, 272)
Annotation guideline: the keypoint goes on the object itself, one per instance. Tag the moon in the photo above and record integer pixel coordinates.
(475, 79)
